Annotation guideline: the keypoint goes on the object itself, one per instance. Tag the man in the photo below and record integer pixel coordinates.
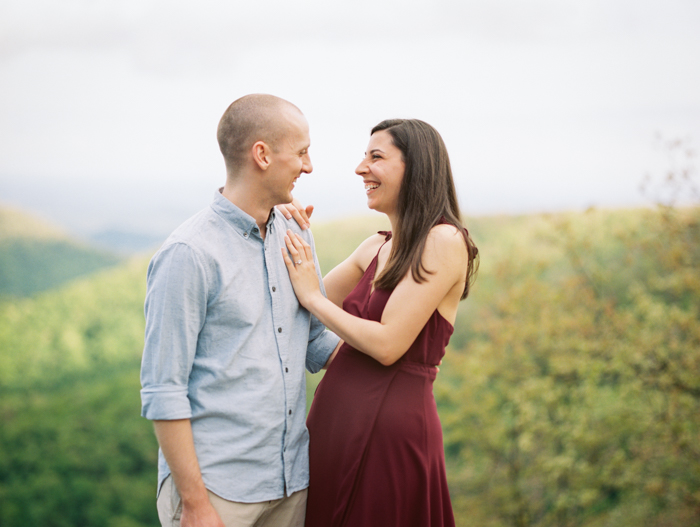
(226, 340)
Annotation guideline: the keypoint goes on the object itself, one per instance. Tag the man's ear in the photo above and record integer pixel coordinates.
(261, 154)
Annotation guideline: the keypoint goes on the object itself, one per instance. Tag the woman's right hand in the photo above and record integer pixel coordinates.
(302, 269)
(295, 210)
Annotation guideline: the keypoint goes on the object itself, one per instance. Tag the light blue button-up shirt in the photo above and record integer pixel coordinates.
(226, 344)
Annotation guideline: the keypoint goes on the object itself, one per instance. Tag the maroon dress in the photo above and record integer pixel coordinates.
(376, 452)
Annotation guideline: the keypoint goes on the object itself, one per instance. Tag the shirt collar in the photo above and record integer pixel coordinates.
(239, 220)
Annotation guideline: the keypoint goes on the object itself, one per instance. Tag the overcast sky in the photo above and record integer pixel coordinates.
(108, 109)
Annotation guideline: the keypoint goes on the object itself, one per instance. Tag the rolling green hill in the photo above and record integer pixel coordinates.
(570, 395)
(36, 256)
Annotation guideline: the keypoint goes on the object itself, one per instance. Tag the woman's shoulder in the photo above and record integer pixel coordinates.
(446, 233)
(446, 241)
(368, 249)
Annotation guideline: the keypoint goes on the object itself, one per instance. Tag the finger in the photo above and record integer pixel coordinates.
(284, 209)
(288, 240)
(309, 211)
(305, 247)
(298, 243)
(299, 217)
(287, 259)
(305, 217)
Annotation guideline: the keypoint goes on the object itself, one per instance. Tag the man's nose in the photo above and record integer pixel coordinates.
(307, 167)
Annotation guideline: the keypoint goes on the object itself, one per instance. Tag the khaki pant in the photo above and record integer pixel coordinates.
(284, 512)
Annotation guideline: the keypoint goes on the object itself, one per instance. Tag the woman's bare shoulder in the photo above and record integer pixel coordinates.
(446, 242)
(368, 249)
(446, 233)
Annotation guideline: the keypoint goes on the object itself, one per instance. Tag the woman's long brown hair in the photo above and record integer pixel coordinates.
(427, 197)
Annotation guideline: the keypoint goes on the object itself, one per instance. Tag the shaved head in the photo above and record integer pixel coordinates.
(252, 118)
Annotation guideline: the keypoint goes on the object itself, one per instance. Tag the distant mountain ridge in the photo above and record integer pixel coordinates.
(36, 255)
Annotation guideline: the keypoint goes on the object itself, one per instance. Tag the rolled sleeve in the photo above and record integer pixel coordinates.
(320, 347)
(175, 309)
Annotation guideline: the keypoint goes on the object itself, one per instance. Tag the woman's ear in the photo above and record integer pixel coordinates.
(261, 154)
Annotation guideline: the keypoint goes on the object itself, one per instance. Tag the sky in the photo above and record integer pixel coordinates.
(108, 109)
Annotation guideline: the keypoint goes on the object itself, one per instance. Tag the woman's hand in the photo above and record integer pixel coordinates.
(298, 212)
(301, 268)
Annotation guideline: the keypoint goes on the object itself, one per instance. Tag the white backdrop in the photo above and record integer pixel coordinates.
(108, 109)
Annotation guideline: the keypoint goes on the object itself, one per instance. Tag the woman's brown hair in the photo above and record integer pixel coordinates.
(427, 197)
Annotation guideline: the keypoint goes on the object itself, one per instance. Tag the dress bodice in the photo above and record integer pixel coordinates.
(429, 346)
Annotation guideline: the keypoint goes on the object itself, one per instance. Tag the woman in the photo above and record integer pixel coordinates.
(376, 452)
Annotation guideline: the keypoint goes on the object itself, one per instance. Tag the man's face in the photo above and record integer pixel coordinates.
(291, 158)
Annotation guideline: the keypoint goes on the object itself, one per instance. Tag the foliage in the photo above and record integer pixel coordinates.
(30, 266)
(78, 455)
(570, 395)
(35, 256)
(577, 400)
(73, 447)
(87, 325)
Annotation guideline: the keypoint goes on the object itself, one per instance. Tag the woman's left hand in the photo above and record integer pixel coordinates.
(301, 267)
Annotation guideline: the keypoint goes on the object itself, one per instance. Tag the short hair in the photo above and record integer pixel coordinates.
(255, 117)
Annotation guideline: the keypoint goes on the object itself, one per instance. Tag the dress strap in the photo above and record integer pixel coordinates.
(386, 234)
(387, 237)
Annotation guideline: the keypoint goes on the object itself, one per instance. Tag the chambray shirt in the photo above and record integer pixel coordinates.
(225, 346)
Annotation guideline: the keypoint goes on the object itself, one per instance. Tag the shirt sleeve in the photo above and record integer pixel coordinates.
(175, 309)
(322, 342)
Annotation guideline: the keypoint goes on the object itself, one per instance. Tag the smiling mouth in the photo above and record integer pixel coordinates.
(371, 186)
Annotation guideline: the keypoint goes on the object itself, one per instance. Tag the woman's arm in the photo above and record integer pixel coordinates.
(410, 306)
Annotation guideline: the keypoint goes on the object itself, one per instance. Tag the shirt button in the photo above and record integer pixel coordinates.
(255, 229)
(290, 412)
(274, 289)
(279, 330)
(245, 234)
(286, 370)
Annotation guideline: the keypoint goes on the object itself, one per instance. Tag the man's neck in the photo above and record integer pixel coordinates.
(249, 202)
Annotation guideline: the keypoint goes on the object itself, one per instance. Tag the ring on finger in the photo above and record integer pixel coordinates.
(298, 262)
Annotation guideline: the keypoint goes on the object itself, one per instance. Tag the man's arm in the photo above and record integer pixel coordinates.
(175, 311)
(176, 442)
(335, 352)
(323, 345)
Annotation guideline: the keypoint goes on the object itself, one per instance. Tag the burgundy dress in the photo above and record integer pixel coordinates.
(376, 452)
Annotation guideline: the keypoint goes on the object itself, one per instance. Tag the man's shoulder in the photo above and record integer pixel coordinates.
(282, 225)
(193, 230)
(194, 233)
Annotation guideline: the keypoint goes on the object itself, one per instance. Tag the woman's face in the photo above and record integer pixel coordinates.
(382, 172)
